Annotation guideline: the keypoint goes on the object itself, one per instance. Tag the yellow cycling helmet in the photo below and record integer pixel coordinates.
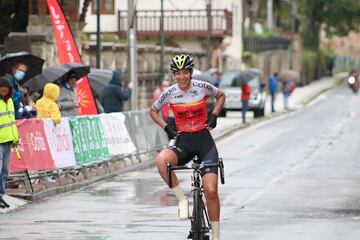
(180, 62)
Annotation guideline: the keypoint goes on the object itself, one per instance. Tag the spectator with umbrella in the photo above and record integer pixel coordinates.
(65, 76)
(19, 68)
(113, 95)
(288, 78)
(46, 106)
(68, 101)
(98, 80)
(245, 96)
(288, 88)
(18, 72)
(242, 79)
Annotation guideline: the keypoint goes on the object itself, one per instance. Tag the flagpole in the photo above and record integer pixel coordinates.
(133, 53)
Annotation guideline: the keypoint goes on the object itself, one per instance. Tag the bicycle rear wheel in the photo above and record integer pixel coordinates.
(197, 231)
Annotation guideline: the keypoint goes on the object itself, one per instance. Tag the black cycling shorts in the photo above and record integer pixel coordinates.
(200, 144)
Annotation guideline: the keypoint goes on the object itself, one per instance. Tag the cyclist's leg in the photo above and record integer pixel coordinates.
(210, 183)
(167, 155)
(175, 155)
(210, 154)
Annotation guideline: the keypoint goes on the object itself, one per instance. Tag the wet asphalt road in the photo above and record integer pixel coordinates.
(295, 177)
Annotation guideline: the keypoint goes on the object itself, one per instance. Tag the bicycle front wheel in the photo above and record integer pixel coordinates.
(198, 233)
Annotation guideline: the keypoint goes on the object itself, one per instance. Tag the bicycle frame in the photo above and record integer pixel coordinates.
(200, 219)
(200, 222)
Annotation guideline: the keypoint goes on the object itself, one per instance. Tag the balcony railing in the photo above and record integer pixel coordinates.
(178, 22)
(259, 44)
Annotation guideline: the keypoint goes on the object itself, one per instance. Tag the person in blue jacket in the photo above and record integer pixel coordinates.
(273, 88)
(18, 73)
(114, 95)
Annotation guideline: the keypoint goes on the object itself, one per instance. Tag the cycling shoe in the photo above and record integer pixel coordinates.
(183, 209)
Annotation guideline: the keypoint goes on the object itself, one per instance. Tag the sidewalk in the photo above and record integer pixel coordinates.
(299, 99)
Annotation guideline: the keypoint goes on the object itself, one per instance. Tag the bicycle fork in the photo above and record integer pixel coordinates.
(200, 222)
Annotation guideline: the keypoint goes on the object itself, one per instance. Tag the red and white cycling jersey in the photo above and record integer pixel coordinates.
(188, 107)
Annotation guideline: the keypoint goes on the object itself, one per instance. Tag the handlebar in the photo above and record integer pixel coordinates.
(196, 167)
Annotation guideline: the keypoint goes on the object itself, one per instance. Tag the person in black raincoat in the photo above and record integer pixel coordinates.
(114, 95)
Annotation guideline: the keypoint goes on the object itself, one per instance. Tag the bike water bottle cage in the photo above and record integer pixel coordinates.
(181, 62)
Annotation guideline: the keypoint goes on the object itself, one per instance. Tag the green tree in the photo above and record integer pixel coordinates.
(338, 17)
(13, 17)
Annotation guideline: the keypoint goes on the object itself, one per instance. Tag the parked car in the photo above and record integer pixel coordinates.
(231, 86)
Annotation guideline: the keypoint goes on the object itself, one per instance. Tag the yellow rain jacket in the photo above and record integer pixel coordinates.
(46, 106)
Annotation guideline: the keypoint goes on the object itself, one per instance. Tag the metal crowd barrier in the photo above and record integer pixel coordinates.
(147, 137)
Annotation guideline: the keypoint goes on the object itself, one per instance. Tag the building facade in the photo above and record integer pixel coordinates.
(185, 25)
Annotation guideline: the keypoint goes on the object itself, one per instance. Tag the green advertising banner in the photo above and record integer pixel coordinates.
(76, 133)
(104, 151)
(88, 139)
(84, 136)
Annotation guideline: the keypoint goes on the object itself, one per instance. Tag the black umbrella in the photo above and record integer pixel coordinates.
(205, 78)
(37, 83)
(34, 64)
(79, 69)
(98, 80)
(56, 73)
(244, 77)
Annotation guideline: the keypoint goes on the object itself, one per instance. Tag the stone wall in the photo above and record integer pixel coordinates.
(270, 62)
(36, 43)
(273, 61)
(347, 46)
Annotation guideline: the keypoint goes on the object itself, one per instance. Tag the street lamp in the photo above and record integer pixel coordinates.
(293, 17)
(209, 26)
(162, 41)
(133, 53)
(98, 40)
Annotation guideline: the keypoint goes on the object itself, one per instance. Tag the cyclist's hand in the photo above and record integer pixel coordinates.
(212, 122)
(172, 133)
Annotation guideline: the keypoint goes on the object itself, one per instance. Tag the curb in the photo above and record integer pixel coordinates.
(337, 84)
(77, 185)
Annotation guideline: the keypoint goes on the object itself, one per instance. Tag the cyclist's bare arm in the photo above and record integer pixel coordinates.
(154, 114)
(220, 100)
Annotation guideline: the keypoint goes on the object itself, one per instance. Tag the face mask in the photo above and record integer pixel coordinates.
(19, 75)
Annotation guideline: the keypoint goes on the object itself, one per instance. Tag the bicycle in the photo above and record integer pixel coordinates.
(200, 222)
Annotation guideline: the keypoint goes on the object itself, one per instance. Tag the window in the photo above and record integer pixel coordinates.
(106, 7)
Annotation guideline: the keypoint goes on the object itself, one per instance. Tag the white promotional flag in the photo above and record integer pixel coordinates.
(60, 142)
(116, 134)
